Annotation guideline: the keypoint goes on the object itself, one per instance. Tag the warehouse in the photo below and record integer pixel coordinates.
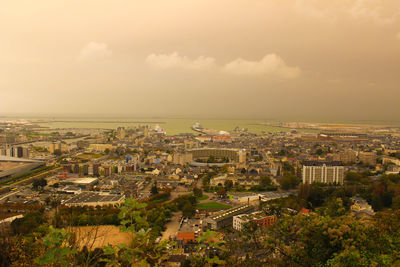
(94, 199)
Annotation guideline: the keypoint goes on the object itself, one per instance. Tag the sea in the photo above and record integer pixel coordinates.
(172, 126)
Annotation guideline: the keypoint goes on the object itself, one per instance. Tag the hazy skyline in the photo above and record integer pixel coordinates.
(336, 59)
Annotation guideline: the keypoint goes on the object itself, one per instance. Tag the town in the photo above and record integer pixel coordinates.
(194, 187)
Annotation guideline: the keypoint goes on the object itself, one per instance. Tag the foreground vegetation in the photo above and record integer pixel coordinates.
(330, 235)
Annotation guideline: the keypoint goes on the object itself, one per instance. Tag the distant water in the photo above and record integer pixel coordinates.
(171, 126)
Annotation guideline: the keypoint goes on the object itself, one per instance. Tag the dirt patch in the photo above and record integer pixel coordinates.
(99, 236)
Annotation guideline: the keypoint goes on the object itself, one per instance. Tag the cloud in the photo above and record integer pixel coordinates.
(372, 10)
(270, 65)
(174, 60)
(309, 9)
(94, 51)
(375, 11)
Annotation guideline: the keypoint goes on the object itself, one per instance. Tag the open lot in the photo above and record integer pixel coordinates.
(98, 236)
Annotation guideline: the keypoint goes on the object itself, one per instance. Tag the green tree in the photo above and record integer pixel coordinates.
(57, 152)
(335, 208)
(289, 181)
(265, 181)
(142, 250)
(188, 211)
(39, 183)
(197, 192)
(57, 252)
(210, 245)
(27, 224)
(228, 184)
(221, 192)
(154, 189)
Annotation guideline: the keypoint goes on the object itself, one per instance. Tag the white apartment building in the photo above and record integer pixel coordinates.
(323, 172)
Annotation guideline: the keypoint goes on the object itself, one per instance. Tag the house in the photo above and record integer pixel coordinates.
(360, 205)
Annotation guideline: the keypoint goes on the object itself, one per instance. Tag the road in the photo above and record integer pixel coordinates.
(32, 177)
(6, 196)
(172, 226)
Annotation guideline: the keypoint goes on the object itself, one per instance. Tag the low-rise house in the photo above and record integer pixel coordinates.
(360, 205)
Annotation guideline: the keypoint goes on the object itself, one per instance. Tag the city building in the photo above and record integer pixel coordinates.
(257, 217)
(80, 182)
(346, 157)
(55, 146)
(189, 230)
(390, 160)
(323, 172)
(235, 155)
(182, 158)
(225, 218)
(367, 158)
(94, 199)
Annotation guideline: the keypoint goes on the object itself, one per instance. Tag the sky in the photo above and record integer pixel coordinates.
(297, 59)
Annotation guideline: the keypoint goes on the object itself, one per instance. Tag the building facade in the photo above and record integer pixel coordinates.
(367, 158)
(323, 172)
(257, 217)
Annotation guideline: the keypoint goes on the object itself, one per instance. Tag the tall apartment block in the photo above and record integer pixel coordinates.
(323, 172)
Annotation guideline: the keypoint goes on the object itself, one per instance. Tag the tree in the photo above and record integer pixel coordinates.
(39, 183)
(188, 211)
(197, 192)
(228, 184)
(27, 224)
(107, 151)
(57, 253)
(289, 181)
(265, 181)
(335, 208)
(57, 152)
(142, 251)
(221, 192)
(210, 245)
(377, 203)
(154, 189)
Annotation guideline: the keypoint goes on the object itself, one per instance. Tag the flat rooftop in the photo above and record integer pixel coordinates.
(92, 197)
(253, 216)
(231, 212)
(81, 180)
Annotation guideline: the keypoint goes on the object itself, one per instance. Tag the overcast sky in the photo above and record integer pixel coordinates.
(305, 59)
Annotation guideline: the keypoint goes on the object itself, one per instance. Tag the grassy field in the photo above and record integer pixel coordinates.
(203, 197)
(212, 206)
